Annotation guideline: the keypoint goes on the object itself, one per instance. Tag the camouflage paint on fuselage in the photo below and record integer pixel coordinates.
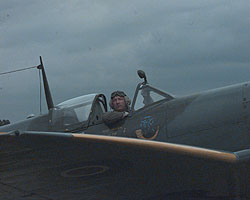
(217, 119)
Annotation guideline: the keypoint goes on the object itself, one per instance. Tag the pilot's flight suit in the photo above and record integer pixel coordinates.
(110, 118)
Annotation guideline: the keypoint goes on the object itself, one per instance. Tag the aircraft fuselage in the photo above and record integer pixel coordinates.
(217, 119)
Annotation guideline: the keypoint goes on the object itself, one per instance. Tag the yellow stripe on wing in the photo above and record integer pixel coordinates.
(4, 133)
(161, 146)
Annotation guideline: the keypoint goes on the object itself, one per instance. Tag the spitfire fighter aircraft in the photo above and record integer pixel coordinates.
(190, 147)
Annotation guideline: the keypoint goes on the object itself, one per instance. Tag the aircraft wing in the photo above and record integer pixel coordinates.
(53, 166)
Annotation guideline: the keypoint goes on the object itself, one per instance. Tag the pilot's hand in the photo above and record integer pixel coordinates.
(125, 114)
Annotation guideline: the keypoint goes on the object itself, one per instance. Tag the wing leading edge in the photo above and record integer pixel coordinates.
(120, 167)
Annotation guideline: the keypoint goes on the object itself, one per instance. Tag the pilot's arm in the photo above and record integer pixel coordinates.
(112, 117)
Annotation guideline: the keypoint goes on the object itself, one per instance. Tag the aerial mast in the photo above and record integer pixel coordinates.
(48, 96)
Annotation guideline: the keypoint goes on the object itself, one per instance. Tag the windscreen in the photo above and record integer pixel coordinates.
(146, 97)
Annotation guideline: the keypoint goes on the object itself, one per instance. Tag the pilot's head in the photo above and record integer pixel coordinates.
(119, 101)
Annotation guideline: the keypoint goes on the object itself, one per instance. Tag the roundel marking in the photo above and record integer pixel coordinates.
(148, 128)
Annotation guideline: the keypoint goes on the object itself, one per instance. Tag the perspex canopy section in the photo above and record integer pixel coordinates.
(73, 111)
(89, 98)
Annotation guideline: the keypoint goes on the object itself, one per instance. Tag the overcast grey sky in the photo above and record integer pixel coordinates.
(96, 46)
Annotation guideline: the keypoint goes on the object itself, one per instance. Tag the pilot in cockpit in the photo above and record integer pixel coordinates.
(120, 103)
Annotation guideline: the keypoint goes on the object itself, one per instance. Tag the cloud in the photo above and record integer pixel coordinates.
(97, 46)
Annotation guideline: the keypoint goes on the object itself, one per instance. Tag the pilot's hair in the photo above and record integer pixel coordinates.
(120, 94)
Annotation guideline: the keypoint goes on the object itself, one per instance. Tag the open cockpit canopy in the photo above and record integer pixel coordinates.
(78, 112)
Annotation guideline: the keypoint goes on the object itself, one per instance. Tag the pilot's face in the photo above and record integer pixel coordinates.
(119, 103)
